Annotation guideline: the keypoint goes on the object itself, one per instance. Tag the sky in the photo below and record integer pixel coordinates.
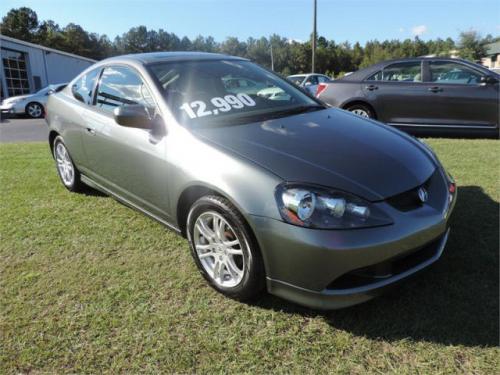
(340, 20)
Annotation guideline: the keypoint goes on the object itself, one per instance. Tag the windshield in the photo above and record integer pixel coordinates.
(296, 80)
(227, 92)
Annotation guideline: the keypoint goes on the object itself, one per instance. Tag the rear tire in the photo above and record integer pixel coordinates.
(223, 248)
(66, 169)
(361, 110)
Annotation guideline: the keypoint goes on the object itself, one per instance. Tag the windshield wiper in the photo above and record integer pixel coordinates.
(294, 111)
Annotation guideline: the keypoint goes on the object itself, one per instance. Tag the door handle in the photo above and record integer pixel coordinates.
(91, 131)
(371, 87)
(435, 89)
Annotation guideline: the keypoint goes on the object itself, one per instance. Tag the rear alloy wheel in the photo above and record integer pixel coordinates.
(34, 110)
(69, 175)
(361, 110)
(223, 248)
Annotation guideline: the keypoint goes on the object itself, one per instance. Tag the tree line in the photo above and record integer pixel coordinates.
(290, 56)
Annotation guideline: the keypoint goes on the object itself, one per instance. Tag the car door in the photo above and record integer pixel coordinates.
(459, 95)
(396, 92)
(127, 161)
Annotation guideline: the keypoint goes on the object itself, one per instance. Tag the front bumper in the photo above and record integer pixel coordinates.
(12, 109)
(330, 269)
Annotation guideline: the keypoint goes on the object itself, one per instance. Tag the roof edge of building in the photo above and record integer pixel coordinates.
(29, 44)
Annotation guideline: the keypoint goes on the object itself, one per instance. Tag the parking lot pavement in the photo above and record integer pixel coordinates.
(23, 130)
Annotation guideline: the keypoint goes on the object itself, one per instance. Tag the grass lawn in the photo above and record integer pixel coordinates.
(89, 285)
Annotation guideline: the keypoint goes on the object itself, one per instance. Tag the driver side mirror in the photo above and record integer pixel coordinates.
(489, 80)
(133, 116)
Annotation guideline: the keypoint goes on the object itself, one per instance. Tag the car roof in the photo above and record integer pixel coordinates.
(363, 73)
(156, 57)
(306, 75)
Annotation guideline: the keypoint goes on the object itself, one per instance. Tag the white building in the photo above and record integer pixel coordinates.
(26, 67)
(492, 58)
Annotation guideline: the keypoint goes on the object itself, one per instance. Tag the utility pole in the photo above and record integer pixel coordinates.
(314, 38)
(272, 56)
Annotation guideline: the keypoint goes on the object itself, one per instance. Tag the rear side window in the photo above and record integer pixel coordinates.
(82, 88)
(122, 86)
(399, 72)
(445, 72)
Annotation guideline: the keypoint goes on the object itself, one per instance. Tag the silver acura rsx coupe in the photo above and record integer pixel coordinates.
(316, 205)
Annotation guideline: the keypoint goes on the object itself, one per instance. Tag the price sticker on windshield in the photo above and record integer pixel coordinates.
(198, 108)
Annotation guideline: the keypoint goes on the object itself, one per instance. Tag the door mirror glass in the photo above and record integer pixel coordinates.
(133, 116)
(489, 80)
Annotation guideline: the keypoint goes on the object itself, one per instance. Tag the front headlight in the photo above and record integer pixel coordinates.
(15, 101)
(315, 207)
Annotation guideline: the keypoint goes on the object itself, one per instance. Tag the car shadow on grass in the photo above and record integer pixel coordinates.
(455, 301)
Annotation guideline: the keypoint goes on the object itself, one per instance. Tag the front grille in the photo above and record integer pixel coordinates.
(437, 195)
(409, 200)
(388, 268)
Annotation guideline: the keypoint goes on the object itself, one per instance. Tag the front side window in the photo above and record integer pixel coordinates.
(203, 92)
(444, 72)
(322, 79)
(82, 88)
(297, 80)
(121, 86)
(399, 72)
(312, 80)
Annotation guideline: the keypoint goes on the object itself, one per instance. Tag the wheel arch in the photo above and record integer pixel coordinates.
(194, 192)
(350, 103)
(52, 135)
(191, 194)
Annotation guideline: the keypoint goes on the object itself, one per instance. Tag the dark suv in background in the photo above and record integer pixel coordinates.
(421, 95)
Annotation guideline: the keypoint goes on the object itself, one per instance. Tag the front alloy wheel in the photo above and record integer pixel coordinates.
(219, 249)
(223, 248)
(34, 110)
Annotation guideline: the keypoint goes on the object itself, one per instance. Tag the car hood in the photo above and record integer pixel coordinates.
(15, 98)
(331, 148)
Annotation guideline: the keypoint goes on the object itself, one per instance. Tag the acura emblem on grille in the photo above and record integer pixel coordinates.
(423, 195)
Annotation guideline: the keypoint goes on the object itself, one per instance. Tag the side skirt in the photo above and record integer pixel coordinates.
(86, 180)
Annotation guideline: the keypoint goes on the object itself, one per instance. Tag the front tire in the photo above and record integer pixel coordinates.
(66, 169)
(34, 110)
(361, 110)
(223, 248)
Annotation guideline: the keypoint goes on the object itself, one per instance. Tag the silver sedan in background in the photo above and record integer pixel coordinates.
(32, 105)
(309, 81)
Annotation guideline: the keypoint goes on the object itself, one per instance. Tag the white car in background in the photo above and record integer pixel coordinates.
(273, 93)
(32, 105)
(309, 82)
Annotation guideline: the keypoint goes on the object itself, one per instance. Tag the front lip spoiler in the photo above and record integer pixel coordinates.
(340, 298)
(395, 278)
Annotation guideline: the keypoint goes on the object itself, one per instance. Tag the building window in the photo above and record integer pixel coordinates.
(16, 74)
